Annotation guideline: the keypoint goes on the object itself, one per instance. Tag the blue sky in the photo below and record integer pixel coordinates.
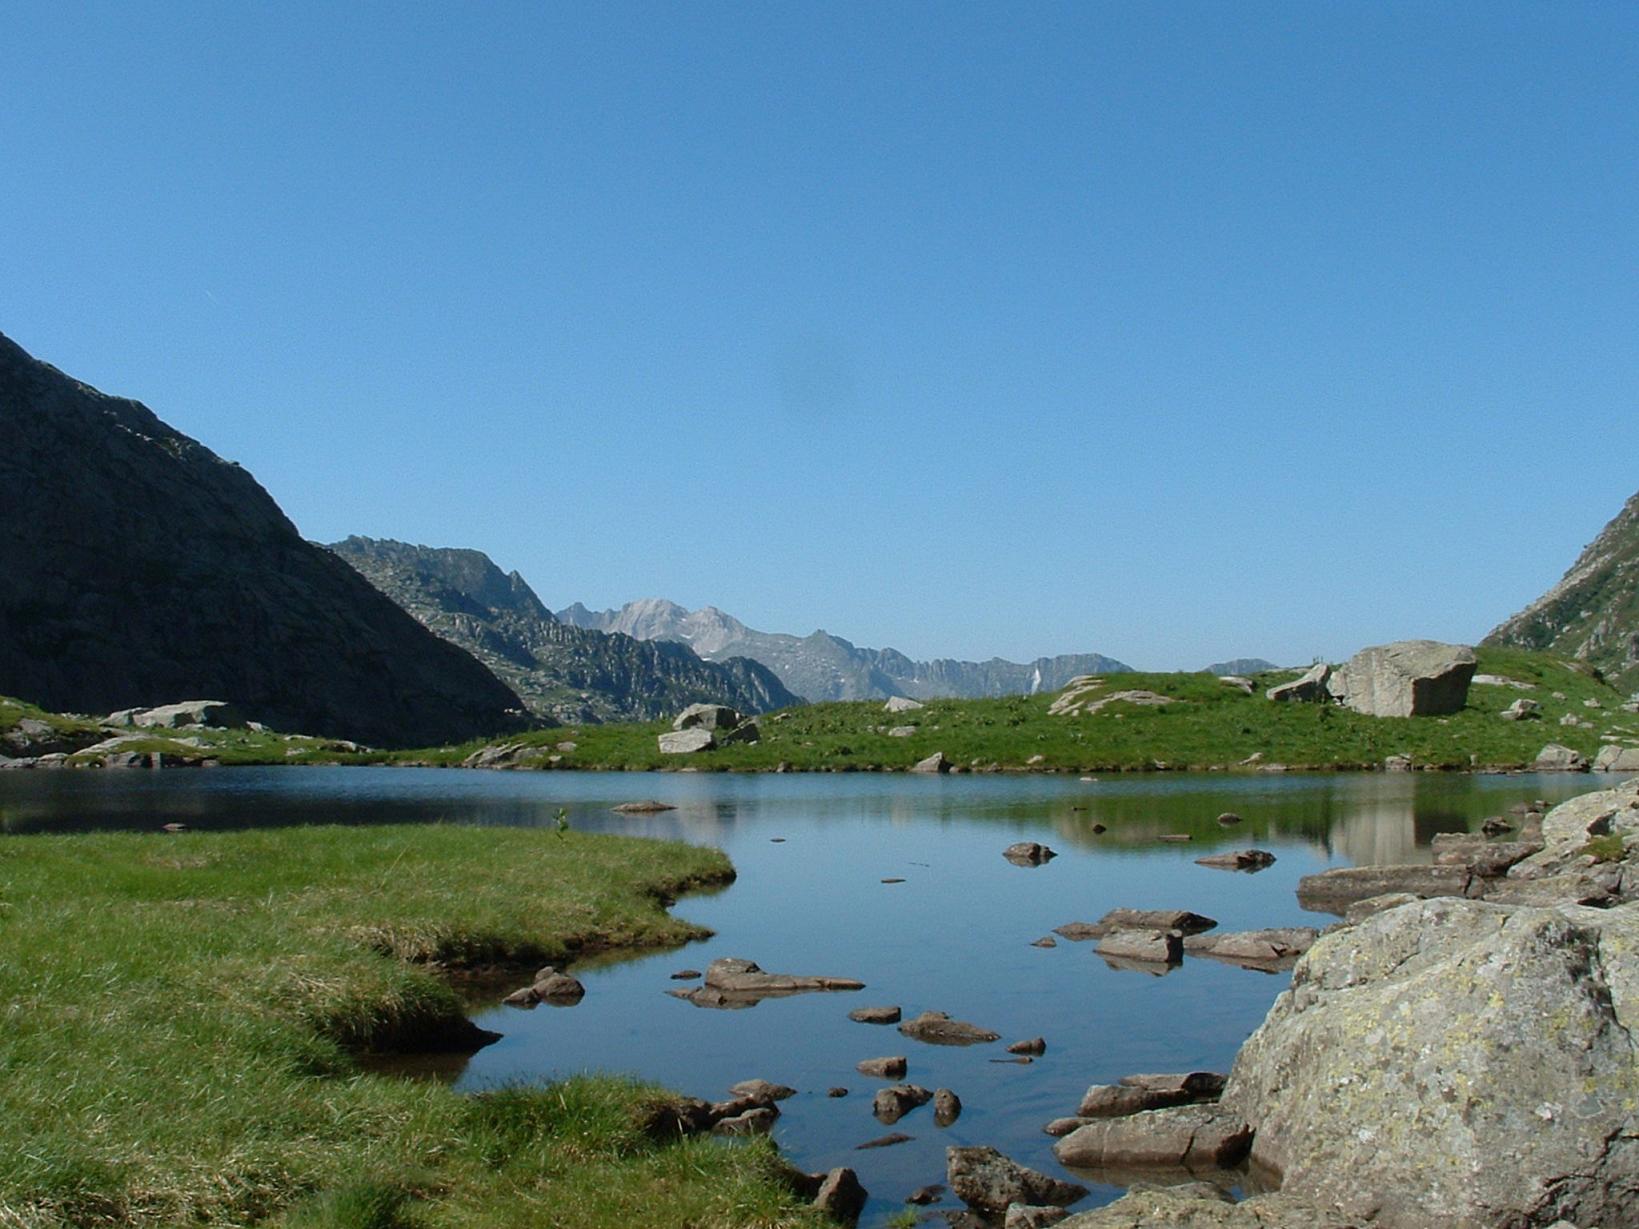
(1171, 332)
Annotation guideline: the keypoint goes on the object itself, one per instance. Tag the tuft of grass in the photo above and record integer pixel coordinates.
(180, 1020)
(1607, 848)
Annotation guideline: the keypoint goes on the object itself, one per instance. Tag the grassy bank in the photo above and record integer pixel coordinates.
(1208, 725)
(183, 1015)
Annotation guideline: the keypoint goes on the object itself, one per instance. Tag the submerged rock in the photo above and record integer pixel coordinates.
(733, 982)
(937, 1028)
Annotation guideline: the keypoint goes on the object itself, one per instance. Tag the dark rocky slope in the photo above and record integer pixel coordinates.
(1593, 612)
(826, 667)
(561, 671)
(137, 567)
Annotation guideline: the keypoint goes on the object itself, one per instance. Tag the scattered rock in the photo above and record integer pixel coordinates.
(762, 1090)
(893, 1103)
(1148, 946)
(1181, 920)
(1193, 1136)
(1178, 837)
(1521, 709)
(1557, 758)
(902, 731)
(648, 806)
(550, 986)
(836, 1091)
(893, 879)
(1614, 758)
(1238, 860)
(1398, 763)
(686, 975)
(1024, 1060)
(947, 1107)
(985, 1179)
(1409, 678)
(1334, 890)
(687, 742)
(1277, 946)
(875, 1015)
(732, 982)
(1495, 825)
(1045, 941)
(1034, 1045)
(1229, 819)
(934, 763)
(937, 1028)
(840, 1196)
(1028, 853)
(1308, 688)
(885, 1141)
(924, 1195)
(745, 732)
(1063, 1126)
(891, 1068)
(901, 704)
(756, 1121)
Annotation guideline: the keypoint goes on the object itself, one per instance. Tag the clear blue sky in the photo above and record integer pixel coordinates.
(1168, 331)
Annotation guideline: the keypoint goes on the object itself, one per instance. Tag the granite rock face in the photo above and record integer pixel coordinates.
(1409, 678)
(137, 566)
(1456, 1062)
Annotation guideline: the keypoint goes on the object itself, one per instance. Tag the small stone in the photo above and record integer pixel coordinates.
(892, 1068)
(1034, 1045)
(947, 1107)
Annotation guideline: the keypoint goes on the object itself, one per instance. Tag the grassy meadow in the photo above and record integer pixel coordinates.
(184, 1017)
(1209, 725)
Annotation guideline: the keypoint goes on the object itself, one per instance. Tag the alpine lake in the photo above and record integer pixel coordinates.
(897, 881)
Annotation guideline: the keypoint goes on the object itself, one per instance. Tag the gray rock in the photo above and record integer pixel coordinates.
(1181, 920)
(1310, 687)
(211, 714)
(1185, 1207)
(732, 982)
(1032, 1216)
(1398, 763)
(934, 763)
(1409, 678)
(1149, 946)
(553, 986)
(947, 1106)
(1255, 947)
(1238, 860)
(901, 704)
(875, 1015)
(893, 1103)
(1521, 709)
(1360, 910)
(755, 1121)
(1028, 853)
(1488, 859)
(707, 717)
(985, 1179)
(1120, 1100)
(687, 742)
(762, 1090)
(937, 1028)
(902, 731)
(1334, 890)
(891, 1068)
(1614, 758)
(1557, 758)
(745, 732)
(1193, 1136)
(840, 1196)
(1455, 1062)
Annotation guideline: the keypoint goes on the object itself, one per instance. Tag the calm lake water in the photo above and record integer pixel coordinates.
(955, 936)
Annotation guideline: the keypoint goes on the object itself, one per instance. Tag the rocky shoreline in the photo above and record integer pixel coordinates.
(1461, 1054)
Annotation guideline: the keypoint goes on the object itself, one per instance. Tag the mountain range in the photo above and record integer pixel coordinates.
(821, 666)
(1593, 612)
(562, 672)
(139, 568)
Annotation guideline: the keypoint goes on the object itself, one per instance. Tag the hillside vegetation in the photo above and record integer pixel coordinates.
(1207, 725)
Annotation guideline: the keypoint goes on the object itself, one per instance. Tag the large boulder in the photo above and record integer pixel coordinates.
(1556, 757)
(1409, 678)
(1456, 1062)
(707, 717)
(1614, 758)
(1309, 686)
(687, 742)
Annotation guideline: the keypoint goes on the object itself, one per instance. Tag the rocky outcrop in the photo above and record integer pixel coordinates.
(1307, 688)
(1592, 614)
(1455, 1062)
(136, 566)
(1409, 678)
(821, 666)
(562, 672)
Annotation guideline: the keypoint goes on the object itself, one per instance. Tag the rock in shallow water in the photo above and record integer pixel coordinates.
(937, 1028)
(985, 1179)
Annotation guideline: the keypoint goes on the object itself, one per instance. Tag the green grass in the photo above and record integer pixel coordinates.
(1211, 726)
(182, 1018)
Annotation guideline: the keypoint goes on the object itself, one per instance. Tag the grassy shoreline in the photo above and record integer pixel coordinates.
(184, 1016)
